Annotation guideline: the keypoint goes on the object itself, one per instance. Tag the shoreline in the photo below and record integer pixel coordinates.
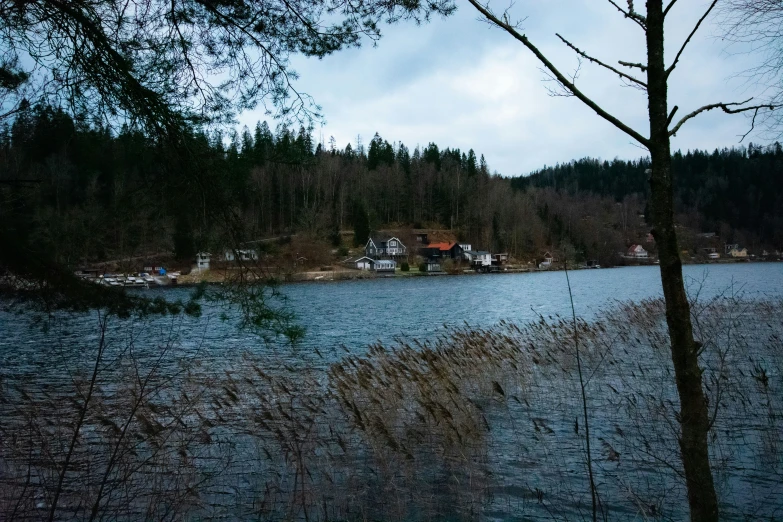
(337, 276)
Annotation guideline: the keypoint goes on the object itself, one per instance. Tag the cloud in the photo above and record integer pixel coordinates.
(460, 84)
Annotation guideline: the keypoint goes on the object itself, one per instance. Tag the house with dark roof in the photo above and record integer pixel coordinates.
(360, 263)
(385, 246)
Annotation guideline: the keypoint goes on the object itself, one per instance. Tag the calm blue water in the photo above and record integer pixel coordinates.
(355, 313)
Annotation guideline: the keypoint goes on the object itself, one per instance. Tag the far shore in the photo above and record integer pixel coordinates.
(218, 277)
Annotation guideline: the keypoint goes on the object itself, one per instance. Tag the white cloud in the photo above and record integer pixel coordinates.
(459, 84)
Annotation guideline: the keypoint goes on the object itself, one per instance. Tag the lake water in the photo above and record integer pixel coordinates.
(360, 312)
(528, 464)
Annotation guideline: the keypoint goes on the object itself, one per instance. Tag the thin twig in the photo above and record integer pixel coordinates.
(82, 415)
(602, 64)
(593, 492)
(687, 40)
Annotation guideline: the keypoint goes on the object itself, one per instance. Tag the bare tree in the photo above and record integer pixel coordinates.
(757, 26)
(685, 350)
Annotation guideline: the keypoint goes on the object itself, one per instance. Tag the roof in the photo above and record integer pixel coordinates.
(357, 259)
(378, 240)
(441, 246)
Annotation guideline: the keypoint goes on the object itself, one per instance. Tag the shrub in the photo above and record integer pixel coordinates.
(405, 267)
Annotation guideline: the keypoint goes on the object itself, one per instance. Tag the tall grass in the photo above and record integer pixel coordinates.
(479, 423)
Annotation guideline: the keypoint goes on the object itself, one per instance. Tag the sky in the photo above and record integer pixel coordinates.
(459, 83)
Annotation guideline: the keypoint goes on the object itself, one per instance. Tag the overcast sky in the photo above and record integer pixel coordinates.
(459, 83)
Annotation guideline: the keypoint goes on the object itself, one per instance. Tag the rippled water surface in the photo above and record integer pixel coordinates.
(434, 456)
(359, 312)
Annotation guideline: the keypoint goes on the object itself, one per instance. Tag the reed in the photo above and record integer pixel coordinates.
(478, 423)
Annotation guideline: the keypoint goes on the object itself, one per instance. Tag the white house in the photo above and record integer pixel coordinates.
(385, 265)
(738, 252)
(202, 260)
(465, 246)
(636, 252)
(547, 262)
(478, 258)
(362, 263)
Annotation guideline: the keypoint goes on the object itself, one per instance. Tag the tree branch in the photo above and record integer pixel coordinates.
(634, 65)
(666, 11)
(602, 64)
(558, 75)
(726, 107)
(687, 40)
(752, 124)
(630, 13)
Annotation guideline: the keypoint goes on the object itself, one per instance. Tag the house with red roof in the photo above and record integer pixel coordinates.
(449, 250)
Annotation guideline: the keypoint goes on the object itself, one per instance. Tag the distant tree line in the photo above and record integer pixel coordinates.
(728, 190)
(97, 195)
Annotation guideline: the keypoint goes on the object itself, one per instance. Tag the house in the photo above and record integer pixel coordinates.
(360, 263)
(384, 265)
(466, 246)
(737, 252)
(636, 252)
(202, 260)
(442, 251)
(547, 262)
(378, 247)
(478, 259)
(728, 247)
(242, 255)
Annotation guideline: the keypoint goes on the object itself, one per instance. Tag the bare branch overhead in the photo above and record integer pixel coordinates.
(561, 78)
(602, 64)
(633, 65)
(687, 40)
(666, 11)
(726, 107)
(630, 13)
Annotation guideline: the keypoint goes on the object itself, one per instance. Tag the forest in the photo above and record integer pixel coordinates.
(84, 193)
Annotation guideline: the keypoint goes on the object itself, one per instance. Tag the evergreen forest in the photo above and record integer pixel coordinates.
(83, 193)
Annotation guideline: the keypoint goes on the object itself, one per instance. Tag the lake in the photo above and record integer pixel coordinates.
(481, 423)
(356, 313)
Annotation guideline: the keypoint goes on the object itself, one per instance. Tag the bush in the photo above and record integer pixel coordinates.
(405, 267)
(342, 251)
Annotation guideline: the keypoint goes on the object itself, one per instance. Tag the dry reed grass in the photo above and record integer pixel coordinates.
(479, 423)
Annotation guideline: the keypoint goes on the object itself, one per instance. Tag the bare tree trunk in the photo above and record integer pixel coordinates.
(694, 418)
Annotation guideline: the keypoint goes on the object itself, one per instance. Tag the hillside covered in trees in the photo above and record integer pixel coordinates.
(87, 194)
